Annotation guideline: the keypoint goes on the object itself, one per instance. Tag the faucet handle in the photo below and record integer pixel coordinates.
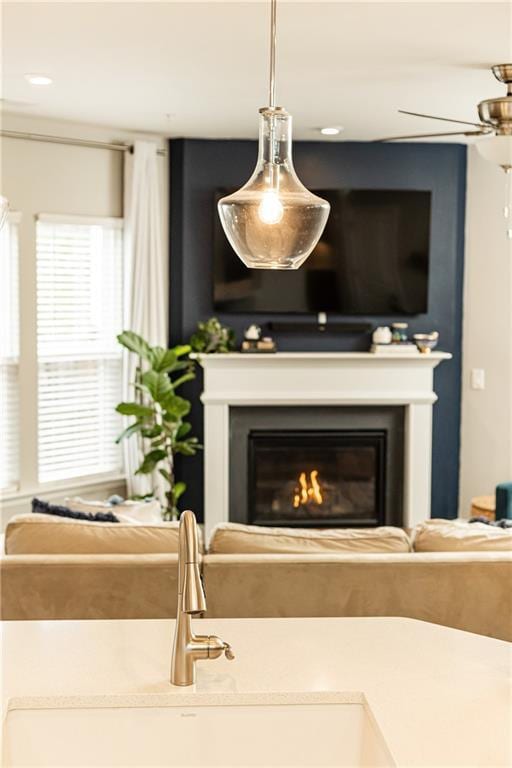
(216, 647)
(228, 652)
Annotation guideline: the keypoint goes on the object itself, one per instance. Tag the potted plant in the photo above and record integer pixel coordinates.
(159, 413)
(211, 336)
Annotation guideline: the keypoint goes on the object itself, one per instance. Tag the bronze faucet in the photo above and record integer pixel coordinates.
(188, 648)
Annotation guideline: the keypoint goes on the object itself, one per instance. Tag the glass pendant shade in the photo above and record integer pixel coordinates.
(496, 149)
(273, 221)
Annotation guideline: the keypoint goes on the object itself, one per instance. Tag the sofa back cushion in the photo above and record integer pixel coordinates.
(127, 511)
(461, 536)
(47, 535)
(40, 507)
(233, 538)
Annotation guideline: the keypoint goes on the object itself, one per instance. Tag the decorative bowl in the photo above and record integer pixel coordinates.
(426, 342)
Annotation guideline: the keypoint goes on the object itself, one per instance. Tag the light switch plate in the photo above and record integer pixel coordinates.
(477, 378)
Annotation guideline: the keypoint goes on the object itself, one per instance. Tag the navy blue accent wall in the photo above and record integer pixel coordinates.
(199, 167)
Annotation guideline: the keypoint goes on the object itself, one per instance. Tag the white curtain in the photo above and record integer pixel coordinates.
(145, 310)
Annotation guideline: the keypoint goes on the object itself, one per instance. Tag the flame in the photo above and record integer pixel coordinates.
(308, 492)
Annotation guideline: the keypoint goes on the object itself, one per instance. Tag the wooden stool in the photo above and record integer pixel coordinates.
(483, 506)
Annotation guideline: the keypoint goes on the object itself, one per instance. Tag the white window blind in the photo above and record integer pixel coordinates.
(9, 353)
(79, 314)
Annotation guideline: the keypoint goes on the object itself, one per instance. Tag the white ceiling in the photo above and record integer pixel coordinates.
(200, 69)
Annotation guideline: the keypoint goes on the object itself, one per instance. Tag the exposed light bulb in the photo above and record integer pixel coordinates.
(270, 209)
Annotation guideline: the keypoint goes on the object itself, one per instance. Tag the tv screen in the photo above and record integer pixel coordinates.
(372, 259)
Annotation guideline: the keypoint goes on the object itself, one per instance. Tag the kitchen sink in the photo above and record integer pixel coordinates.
(192, 729)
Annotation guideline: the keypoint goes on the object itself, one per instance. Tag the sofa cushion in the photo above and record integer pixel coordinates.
(128, 511)
(461, 536)
(233, 538)
(98, 516)
(46, 535)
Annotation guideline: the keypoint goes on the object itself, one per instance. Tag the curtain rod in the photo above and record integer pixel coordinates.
(72, 142)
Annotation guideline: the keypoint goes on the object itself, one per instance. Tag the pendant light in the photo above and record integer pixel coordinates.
(273, 221)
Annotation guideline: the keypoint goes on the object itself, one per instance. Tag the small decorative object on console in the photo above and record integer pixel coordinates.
(392, 350)
(392, 341)
(399, 333)
(256, 343)
(426, 342)
(266, 344)
(252, 333)
(382, 335)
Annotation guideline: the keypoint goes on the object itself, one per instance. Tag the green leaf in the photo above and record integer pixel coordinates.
(166, 475)
(182, 349)
(158, 385)
(131, 430)
(175, 406)
(153, 431)
(184, 365)
(150, 461)
(183, 379)
(185, 448)
(198, 342)
(135, 343)
(178, 490)
(183, 430)
(135, 409)
(163, 360)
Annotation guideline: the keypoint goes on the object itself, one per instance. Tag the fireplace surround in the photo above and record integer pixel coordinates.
(306, 380)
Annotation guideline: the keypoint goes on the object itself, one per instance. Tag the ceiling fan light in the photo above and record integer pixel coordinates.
(497, 150)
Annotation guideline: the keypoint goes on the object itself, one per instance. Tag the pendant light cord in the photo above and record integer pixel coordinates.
(272, 84)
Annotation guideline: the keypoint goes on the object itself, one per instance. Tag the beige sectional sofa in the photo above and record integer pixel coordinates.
(464, 589)
(470, 591)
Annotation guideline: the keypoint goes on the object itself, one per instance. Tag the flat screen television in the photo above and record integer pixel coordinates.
(372, 259)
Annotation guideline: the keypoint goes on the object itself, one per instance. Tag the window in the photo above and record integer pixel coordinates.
(9, 353)
(79, 314)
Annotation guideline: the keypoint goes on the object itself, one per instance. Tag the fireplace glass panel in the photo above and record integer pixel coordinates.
(316, 478)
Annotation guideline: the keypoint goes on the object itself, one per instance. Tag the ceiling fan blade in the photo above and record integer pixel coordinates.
(432, 135)
(445, 119)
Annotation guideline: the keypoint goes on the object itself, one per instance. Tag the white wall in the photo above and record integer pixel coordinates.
(486, 432)
(55, 178)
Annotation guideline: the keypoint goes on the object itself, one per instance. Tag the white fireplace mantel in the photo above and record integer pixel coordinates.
(319, 378)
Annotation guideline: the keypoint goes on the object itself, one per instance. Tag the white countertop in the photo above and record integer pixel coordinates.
(442, 697)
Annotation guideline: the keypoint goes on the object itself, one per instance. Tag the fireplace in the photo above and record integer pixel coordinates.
(308, 391)
(316, 466)
(316, 477)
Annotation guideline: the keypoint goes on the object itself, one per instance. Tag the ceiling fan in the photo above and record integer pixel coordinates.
(495, 123)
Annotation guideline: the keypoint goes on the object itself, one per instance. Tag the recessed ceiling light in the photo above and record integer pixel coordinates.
(331, 131)
(38, 79)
